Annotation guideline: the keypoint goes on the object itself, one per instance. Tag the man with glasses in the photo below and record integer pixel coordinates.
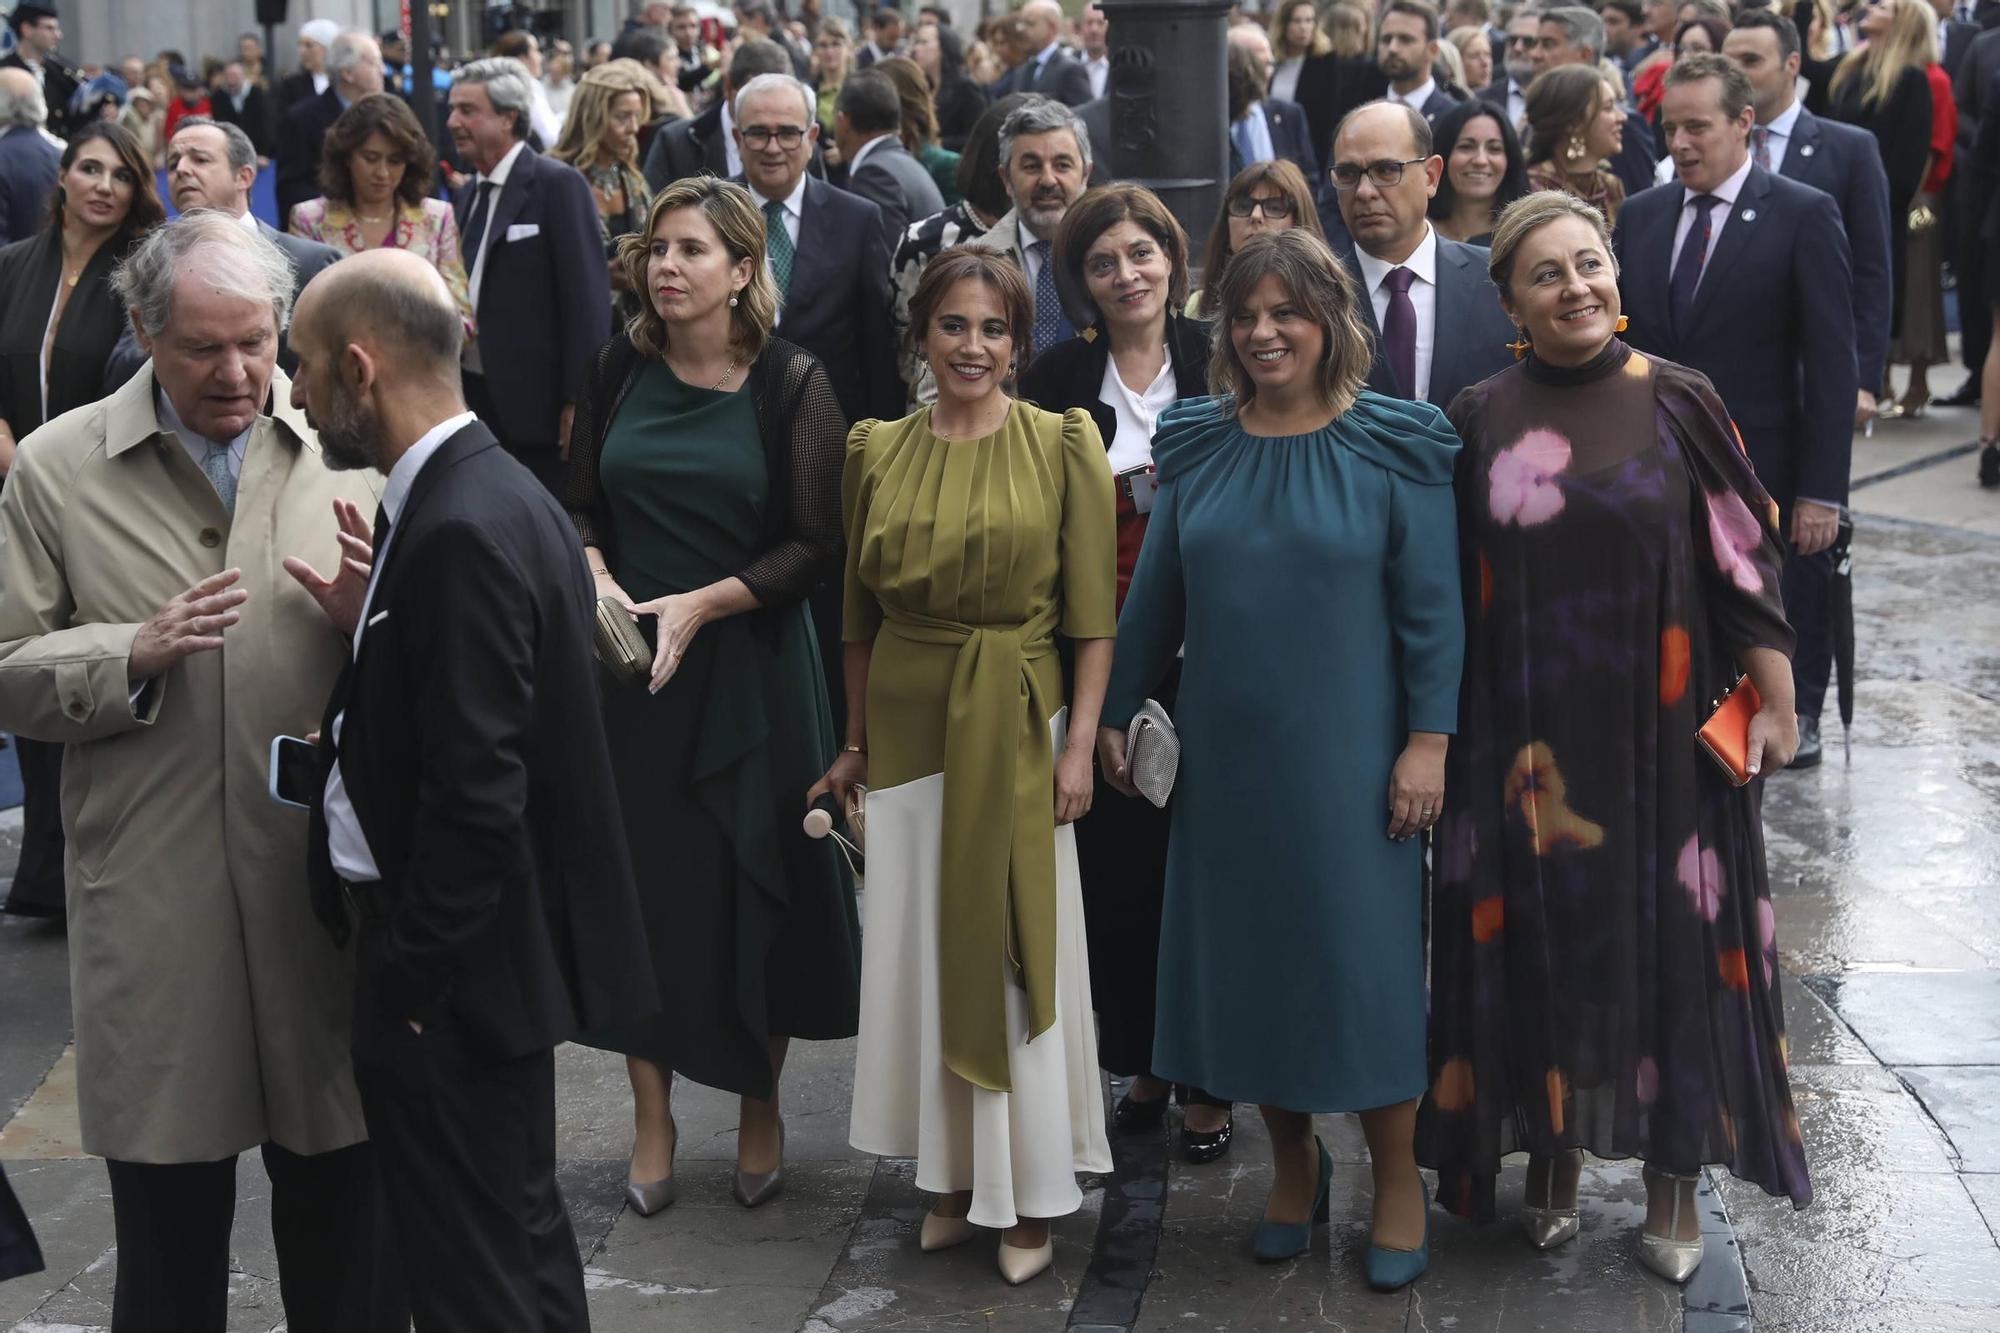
(1509, 93)
(1429, 302)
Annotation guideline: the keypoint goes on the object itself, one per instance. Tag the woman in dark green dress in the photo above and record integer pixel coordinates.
(704, 478)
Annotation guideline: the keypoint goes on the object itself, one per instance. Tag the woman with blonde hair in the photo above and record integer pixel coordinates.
(1575, 123)
(1346, 28)
(704, 480)
(1883, 88)
(600, 138)
(832, 62)
(920, 125)
(1475, 56)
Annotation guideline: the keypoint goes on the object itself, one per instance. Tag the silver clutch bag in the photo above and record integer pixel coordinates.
(1152, 752)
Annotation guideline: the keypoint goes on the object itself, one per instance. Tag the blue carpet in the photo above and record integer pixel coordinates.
(10, 777)
(263, 196)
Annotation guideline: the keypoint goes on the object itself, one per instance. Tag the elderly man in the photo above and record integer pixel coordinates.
(705, 145)
(161, 642)
(534, 256)
(354, 64)
(1048, 70)
(1508, 93)
(29, 157)
(467, 813)
(212, 165)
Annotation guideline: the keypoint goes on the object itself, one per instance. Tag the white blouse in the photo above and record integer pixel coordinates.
(1132, 445)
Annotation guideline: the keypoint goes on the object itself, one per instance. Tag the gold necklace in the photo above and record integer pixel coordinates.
(725, 377)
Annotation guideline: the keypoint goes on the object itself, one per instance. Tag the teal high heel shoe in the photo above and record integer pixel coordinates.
(1278, 1241)
(1390, 1270)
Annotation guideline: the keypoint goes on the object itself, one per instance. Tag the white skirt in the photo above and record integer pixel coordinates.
(1018, 1152)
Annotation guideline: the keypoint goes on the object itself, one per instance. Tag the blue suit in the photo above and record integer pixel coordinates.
(1844, 162)
(29, 162)
(1291, 139)
(1469, 342)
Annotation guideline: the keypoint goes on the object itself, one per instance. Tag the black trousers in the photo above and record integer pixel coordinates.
(1975, 302)
(541, 457)
(38, 879)
(468, 1160)
(1806, 583)
(173, 1222)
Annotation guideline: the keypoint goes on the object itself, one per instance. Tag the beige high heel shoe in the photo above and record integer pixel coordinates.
(942, 1233)
(1018, 1265)
(1675, 1260)
(1549, 1227)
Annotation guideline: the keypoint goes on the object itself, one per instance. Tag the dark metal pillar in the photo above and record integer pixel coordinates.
(423, 94)
(1169, 95)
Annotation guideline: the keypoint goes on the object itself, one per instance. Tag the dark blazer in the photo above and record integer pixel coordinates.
(688, 148)
(58, 87)
(1470, 340)
(299, 144)
(960, 104)
(29, 164)
(1636, 157)
(897, 184)
(1063, 77)
(1987, 14)
(1968, 87)
(1842, 161)
(1436, 105)
(30, 271)
(1957, 40)
(1291, 139)
(1331, 86)
(837, 307)
(293, 89)
(472, 749)
(1495, 93)
(544, 305)
(1902, 129)
(1071, 374)
(254, 119)
(1772, 324)
(308, 258)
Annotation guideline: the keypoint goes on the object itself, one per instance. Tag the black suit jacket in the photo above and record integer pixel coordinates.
(299, 145)
(472, 750)
(1772, 324)
(1291, 139)
(1331, 86)
(58, 87)
(688, 148)
(1063, 77)
(1471, 333)
(1071, 374)
(1957, 39)
(1843, 161)
(544, 301)
(898, 185)
(254, 120)
(837, 307)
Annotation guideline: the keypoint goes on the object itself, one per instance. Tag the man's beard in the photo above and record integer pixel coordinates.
(1521, 71)
(1395, 67)
(349, 434)
(1045, 216)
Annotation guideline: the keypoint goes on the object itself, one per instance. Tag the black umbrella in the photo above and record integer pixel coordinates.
(1840, 609)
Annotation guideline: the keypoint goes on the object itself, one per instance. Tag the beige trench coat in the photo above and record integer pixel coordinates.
(211, 1007)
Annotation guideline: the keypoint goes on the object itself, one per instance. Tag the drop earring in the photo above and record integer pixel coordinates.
(1624, 323)
(1519, 347)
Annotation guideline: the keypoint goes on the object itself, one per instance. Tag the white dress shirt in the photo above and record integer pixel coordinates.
(1517, 106)
(346, 845)
(731, 155)
(1099, 69)
(1718, 217)
(476, 264)
(1423, 296)
(542, 117)
(1137, 413)
(1778, 136)
(1416, 97)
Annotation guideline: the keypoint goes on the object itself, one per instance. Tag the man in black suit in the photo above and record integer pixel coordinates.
(1574, 35)
(1973, 189)
(1840, 159)
(310, 79)
(1745, 276)
(30, 157)
(885, 37)
(37, 35)
(534, 257)
(1261, 129)
(1406, 47)
(1048, 70)
(867, 121)
(698, 60)
(243, 104)
(467, 815)
(354, 70)
(1437, 321)
(706, 144)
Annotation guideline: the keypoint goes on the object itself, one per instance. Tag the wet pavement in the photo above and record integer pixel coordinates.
(1886, 873)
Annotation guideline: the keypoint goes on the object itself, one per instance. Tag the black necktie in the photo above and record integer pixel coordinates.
(475, 223)
(1693, 258)
(381, 532)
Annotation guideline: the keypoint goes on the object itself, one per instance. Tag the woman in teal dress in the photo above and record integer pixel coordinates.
(1303, 546)
(705, 481)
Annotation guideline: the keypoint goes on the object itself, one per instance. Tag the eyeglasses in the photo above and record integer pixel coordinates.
(1525, 39)
(1347, 175)
(760, 136)
(1243, 205)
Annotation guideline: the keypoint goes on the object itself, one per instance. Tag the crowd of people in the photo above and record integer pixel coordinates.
(1499, 429)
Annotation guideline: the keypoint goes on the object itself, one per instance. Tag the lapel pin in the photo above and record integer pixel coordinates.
(1749, 215)
(1806, 151)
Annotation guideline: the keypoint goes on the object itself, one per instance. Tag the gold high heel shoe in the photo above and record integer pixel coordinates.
(1675, 1260)
(1549, 1227)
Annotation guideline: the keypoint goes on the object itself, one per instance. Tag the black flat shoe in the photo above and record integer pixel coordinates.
(1130, 1117)
(1965, 395)
(1198, 1147)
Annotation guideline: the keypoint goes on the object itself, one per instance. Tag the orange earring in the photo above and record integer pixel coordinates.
(1519, 347)
(1624, 323)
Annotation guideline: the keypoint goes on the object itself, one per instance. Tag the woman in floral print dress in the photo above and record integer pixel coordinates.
(1604, 968)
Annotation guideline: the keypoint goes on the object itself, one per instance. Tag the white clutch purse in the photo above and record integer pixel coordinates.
(1152, 753)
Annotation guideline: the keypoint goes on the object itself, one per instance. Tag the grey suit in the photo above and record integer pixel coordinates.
(897, 184)
(308, 258)
(1470, 334)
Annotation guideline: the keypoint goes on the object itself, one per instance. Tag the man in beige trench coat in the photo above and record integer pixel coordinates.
(148, 624)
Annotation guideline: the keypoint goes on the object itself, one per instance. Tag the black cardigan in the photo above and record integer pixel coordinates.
(1071, 374)
(960, 104)
(805, 444)
(91, 323)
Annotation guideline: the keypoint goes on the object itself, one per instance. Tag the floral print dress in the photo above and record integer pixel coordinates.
(1604, 962)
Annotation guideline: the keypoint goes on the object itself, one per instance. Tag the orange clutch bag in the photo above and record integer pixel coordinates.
(1726, 734)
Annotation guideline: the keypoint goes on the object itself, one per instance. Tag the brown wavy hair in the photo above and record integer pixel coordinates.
(1099, 211)
(1319, 285)
(998, 272)
(146, 212)
(739, 222)
(391, 117)
(1291, 182)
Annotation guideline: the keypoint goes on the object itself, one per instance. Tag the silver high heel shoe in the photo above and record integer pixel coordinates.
(1550, 1227)
(753, 1189)
(1674, 1260)
(646, 1197)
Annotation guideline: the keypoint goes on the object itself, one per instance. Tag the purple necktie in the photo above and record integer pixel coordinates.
(1399, 330)
(1687, 269)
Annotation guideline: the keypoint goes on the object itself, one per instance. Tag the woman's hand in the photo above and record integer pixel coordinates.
(680, 615)
(1774, 739)
(1416, 786)
(608, 587)
(1111, 754)
(1073, 784)
(849, 772)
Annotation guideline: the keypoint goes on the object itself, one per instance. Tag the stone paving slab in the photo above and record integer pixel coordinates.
(1920, 1018)
(1965, 1103)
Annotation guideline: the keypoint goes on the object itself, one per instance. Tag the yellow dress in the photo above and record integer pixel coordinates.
(965, 559)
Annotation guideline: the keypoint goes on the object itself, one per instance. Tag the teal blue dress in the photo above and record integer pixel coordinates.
(1314, 581)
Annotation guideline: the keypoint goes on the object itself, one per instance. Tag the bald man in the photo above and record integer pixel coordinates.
(1050, 70)
(467, 818)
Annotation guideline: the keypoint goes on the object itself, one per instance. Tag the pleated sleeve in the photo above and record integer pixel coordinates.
(1089, 532)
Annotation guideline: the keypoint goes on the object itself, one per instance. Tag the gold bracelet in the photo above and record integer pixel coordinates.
(854, 749)
(596, 570)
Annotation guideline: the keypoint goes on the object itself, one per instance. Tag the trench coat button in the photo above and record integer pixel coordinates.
(211, 538)
(77, 709)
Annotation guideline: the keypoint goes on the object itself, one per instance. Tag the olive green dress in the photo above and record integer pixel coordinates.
(753, 925)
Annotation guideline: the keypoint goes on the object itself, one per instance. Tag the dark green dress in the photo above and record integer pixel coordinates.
(753, 925)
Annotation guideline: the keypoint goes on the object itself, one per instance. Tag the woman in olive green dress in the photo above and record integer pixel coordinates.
(978, 529)
(704, 478)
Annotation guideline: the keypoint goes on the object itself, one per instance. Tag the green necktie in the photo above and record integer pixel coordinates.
(779, 242)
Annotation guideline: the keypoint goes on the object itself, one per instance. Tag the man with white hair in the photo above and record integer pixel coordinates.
(354, 70)
(1050, 70)
(29, 156)
(164, 645)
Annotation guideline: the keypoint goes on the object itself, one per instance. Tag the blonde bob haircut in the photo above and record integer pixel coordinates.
(739, 224)
(1528, 215)
(1319, 285)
